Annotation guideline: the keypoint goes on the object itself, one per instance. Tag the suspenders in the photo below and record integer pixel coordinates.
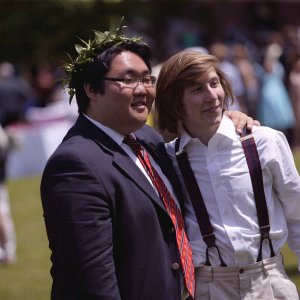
(198, 203)
(194, 192)
(253, 163)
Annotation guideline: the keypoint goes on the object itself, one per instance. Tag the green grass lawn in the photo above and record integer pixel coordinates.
(29, 278)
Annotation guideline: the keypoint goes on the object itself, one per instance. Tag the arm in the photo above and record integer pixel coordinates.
(286, 183)
(78, 219)
(240, 120)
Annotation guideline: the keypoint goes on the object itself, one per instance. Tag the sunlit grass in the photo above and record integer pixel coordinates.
(29, 278)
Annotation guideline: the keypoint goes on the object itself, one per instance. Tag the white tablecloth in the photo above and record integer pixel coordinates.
(37, 143)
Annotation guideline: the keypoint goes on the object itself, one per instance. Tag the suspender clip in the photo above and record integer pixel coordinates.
(246, 137)
(264, 231)
(180, 152)
(210, 240)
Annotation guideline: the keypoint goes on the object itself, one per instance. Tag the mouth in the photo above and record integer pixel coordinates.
(140, 106)
(139, 103)
(212, 109)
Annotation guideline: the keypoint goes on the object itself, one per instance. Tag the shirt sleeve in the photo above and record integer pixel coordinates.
(286, 184)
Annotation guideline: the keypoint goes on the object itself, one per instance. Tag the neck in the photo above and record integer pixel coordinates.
(203, 135)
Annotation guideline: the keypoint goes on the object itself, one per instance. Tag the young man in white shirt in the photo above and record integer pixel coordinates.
(236, 261)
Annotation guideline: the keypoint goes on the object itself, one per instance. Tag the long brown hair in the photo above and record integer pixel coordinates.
(180, 71)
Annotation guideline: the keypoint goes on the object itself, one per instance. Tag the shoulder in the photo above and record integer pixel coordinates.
(149, 134)
(70, 154)
(170, 147)
(271, 144)
(266, 135)
(77, 150)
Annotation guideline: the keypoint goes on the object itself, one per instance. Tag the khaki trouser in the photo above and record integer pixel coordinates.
(265, 280)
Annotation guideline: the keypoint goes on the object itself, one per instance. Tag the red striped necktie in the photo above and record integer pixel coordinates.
(173, 211)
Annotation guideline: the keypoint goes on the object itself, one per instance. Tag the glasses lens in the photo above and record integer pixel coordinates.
(149, 80)
(133, 82)
(129, 81)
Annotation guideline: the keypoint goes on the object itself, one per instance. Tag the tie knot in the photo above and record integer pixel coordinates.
(132, 143)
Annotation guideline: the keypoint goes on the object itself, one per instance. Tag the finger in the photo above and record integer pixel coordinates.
(227, 112)
(244, 120)
(249, 123)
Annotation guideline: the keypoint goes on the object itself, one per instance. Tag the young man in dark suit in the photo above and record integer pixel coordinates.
(109, 231)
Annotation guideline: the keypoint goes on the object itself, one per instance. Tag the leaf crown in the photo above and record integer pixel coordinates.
(90, 49)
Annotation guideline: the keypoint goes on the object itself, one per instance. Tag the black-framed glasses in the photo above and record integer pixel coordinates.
(132, 82)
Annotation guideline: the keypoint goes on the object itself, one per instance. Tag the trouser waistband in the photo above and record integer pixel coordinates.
(266, 264)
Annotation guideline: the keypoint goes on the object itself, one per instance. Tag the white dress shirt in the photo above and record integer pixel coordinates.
(223, 177)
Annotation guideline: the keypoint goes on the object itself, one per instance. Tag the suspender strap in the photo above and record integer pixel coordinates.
(203, 220)
(197, 201)
(254, 166)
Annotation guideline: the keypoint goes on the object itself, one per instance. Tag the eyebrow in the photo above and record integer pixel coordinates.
(134, 72)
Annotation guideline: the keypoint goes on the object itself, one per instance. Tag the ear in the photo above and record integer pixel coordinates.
(89, 91)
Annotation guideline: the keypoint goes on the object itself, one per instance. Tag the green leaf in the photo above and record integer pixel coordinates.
(78, 48)
(86, 43)
(120, 28)
(99, 36)
(70, 57)
(71, 94)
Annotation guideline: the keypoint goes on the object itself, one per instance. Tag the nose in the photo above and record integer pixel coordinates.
(211, 93)
(139, 88)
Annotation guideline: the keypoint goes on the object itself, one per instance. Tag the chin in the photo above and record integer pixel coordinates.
(138, 122)
(216, 121)
(141, 117)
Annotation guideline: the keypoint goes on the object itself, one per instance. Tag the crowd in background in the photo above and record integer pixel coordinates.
(24, 101)
(265, 76)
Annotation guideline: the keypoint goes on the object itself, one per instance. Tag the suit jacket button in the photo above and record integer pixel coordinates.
(175, 266)
(171, 229)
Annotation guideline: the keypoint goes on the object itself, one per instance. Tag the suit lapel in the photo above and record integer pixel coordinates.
(120, 158)
(160, 155)
(124, 162)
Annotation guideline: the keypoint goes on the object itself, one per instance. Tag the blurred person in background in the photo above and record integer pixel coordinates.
(43, 83)
(274, 108)
(237, 221)
(14, 94)
(8, 244)
(294, 86)
(50, 102)
(246, 67)
(226, 57)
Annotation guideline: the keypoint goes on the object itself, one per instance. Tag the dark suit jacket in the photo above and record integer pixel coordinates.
(109, 233)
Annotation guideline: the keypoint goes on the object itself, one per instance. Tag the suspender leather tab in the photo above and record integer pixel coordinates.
(265, 231)
(209, 239)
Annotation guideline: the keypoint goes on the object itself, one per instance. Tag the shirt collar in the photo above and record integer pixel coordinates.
(225, 129)
(116, 136)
